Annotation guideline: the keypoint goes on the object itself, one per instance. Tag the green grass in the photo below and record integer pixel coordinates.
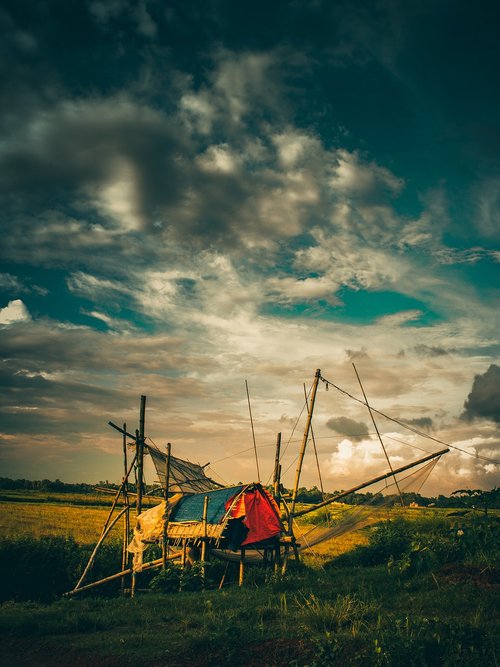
(409, 592)
(349, 616)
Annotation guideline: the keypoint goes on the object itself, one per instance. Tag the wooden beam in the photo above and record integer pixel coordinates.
(303, 449)
(123, 573)
(370, 482)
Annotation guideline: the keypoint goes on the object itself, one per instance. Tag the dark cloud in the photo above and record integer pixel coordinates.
(348, 427)
(424, 423)
(53, 377)
(84, 144)
(483, 402)
(430, 351)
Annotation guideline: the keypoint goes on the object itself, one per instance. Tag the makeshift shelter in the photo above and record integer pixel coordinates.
(236, 518)
(242, 522)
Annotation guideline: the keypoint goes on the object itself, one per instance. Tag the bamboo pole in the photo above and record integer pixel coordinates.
(303, 450)
(106, 528)
(253, 433)
(378, 434)
(184, 552)
(315, 450)
(139, 443)
(370, 482)
(123, 573)
(126, 523)
(204, 540)
(167, 511)
(118, 494)
(99, 542)
(140, 455)
(276, 476)
(242, 568)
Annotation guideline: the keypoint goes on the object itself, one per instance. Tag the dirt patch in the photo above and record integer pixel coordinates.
(482, 577)
(27, 653)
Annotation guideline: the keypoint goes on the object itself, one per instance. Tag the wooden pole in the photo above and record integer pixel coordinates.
(184, 552)
(379, 436)
(166, 515)
(140, 455)
(106, 528)
(204, 540)
(99, 542)
(126, 522)
(123, 573)
(303, 450)
(253, 433)
(276, 476)
(370, 482)
(242, 568)
(315, 450)
(139, 443)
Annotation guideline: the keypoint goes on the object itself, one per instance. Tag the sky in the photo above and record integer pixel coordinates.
(199, 196)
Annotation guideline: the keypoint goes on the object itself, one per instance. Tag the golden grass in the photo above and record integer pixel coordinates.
(50, 519)
(30, 495)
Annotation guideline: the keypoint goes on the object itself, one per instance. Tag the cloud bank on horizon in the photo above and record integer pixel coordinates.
(198, 193)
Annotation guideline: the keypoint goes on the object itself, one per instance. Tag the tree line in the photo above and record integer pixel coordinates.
(460, 498)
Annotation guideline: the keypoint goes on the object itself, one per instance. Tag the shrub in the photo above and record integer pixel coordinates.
(192, 578)
(168, 580)
(43, 569)
(430, 641)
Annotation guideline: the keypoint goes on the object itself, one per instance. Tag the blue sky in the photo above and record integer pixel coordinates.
(195, 194)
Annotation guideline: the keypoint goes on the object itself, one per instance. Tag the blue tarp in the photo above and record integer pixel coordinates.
(190, 508)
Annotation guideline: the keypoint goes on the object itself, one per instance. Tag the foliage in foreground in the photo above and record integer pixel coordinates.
(351, 616)
(415, 547)
(421, 593)
(44, 569)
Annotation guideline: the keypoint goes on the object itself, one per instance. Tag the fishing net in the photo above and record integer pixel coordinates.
(346, 519)
(184, 476)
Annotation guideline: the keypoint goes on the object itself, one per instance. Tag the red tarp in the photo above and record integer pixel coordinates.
(260, 515)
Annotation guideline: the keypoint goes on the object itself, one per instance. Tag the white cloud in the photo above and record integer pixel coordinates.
(353, 177)
(295, 148)
(14, 311)
(291, 290)
(10, 282)
(117, 197)
(219, 158)
(243, 80)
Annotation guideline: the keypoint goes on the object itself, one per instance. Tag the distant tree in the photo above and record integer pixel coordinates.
(477, 498)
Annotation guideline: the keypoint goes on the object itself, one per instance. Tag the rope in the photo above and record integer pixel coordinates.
(403, 425)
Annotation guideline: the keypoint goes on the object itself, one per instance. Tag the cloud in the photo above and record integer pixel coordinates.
(483, 402)
(291, 290)
(430, 351)
(348, 427)
(424, 423)
(105, 13)
(241, 87)
(14, 311)
(9, 282)
(354, 179)
(113, 154)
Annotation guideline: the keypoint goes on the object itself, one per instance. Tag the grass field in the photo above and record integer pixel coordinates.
(415, 591)
(42, 514)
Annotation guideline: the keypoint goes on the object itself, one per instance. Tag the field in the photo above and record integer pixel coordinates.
(421, 589)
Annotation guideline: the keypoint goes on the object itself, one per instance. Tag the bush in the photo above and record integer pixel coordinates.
(168, 580)
(43, 569)
(430, 641)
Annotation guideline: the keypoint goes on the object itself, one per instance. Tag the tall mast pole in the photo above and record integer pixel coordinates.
(379, 436)
(139, 448)
(276, 476)
(253, 433)
(140, 455)
(303, 448)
